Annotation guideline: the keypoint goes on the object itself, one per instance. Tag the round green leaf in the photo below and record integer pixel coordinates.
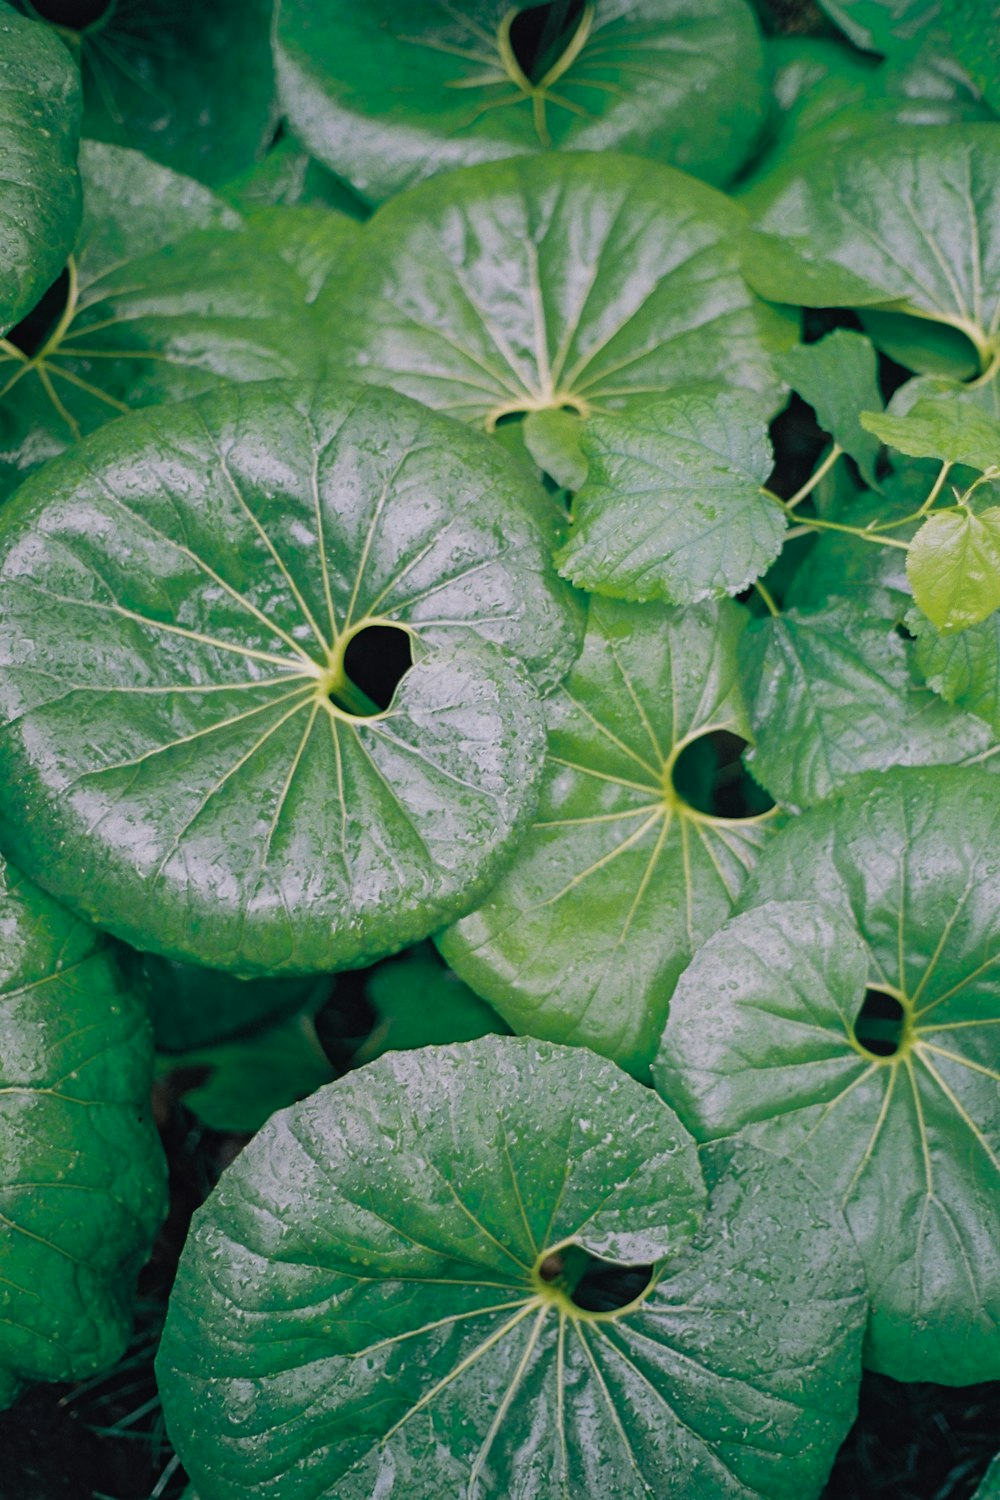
(761, 1038)
(191, 85)
(620, 879)
(39, 136)
(196, 769)
(905, 221)
(575, 281)
(835, 683)
(168, 295)
(81, 1172)
(364, 1306)
(674, 506)
(679, 80)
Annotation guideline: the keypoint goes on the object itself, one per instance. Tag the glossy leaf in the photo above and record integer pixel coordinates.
(953, 564)
(620, 880)
(190, 85)
(576, 281)
(553, 440)
(678, 80)
(196, 768)
(81, 1171)
(963, 666)
(364, 1307)
(955, 432)
(911, 860)
(837, 377)
(674, 506)
(906, 222)
(168, 296)
(39, 137)
(835, 684)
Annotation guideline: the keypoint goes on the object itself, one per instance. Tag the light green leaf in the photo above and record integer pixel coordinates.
(456, 1181)
(82, 1176)
(837, 377)
(314, 241)
(834, 683)
(953, 431)
(678, 80)
(39, 136)
(963, 666)
(566, 281)
(553, 440)
(906, 223)
(911, 859)
(674, 506)
(190, 85)
(198, 769)
(168, 296)
(621, 879)
(953, 564)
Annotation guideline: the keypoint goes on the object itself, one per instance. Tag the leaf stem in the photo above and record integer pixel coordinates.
(813, 481)
(767, 598)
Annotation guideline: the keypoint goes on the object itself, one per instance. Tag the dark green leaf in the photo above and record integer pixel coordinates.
(621, 879)
(387, 1285)
(418, 1002)
(963, 666)
(837, 377)
(674, 506)
(81, 1171)
(566, 281)
(192, 1007)
(196, 767)
(39, 136)
(679, 80)
(972, 27)
(885, 26)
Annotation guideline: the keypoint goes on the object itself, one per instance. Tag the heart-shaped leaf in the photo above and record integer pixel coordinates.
(674, 506)
(433, 1278)
(679, 80)
(566, 281)
(837, 377)
(81, 1172)
(907, 221)
(953, 564)
(893, 1103)
(835, 683)
(186, 599)
(621, 878)
(39, 136)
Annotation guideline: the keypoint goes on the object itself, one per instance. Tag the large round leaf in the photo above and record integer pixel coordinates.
(39, 135)
(387, 95)
(905, 223)
(576, 281)
(169, 294)
(192, 85)
(188, 759)
(81, 1172)
(764, 1037)
(384, 1297)
(620, 879)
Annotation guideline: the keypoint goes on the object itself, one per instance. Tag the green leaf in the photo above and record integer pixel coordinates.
(674, 506)
(953, 564)
(566, 281)
(418, 1002)
(972, 27)
(367, 1281)
(168, 296)
(905, 222)
(964, 667)
(911, 859)
(192, 1007)
(314, 241)
(837, 377)
(289, 177)
(621, 879)
(990, 1487)
(844, 565)
(954, 431)
(39, 136)
(834, 682)
(190, 85)
(553, 440)
(680, 82)
(197, 768)
(81, 1172)
(885, 26)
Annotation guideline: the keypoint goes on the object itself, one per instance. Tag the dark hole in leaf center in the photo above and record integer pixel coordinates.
(74, 15)
(375, 662)
(592, 1284)
(709, 775)
(880, 1022)
(540, 36)
(34, 328)
(510, 419)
